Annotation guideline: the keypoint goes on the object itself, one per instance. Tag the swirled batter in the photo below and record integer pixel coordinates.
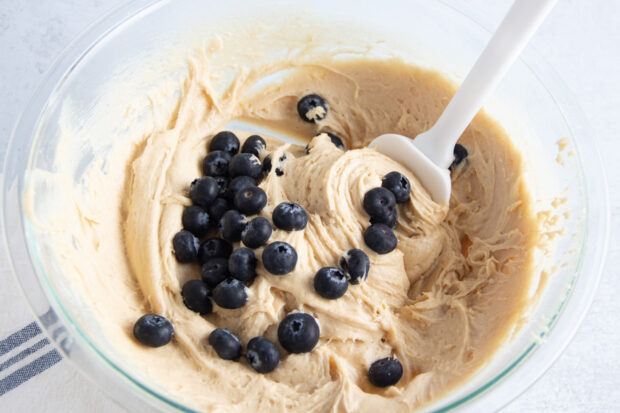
(441, 302)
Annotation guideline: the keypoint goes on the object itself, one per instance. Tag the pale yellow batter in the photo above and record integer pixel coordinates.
(441, 302)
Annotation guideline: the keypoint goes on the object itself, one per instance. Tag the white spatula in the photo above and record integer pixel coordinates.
(430, 154)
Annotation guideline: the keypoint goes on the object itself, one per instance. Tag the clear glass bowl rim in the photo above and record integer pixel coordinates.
(506, 386)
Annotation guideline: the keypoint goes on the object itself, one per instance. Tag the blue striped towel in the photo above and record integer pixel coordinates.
(34, 377)
(40, 356)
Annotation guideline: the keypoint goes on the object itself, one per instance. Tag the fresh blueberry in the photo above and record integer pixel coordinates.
(153, 330)
(380, 238)
(224, 141)
(196, 220)
(214, 271)
(230, 293)
(250, 200)
(262, 355)
(256, 232)
(389, 220)
(385, 372)
(217, 209)
(203, 191)
(397, 184)
(225, 344)
(216, 163)
(254, 145)
(242, 264)
(379, 203)
(245, 164)
(231, 225)
(267, 164)
(280, 166)
(330, 282)
(213, 248)
(356, 265)
(195, 295)
(312, 108)
(336, 140)
(298, 333)
(460, 153)
(279, 258)
(222, 184)
(289, 216)
(185, 246)
(238, 184)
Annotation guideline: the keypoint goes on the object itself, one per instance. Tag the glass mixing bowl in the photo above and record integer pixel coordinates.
(563, 168)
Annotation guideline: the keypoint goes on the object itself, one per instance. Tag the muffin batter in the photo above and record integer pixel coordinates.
(441, 302)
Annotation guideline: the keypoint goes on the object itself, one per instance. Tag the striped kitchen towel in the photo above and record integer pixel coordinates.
(34, 377)
(23, 355)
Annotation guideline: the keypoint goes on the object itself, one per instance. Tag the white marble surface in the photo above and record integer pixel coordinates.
(581, 39)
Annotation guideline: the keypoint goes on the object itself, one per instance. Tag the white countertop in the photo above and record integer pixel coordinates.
(581, 40)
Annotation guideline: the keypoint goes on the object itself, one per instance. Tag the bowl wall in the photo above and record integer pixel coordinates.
(143, 45)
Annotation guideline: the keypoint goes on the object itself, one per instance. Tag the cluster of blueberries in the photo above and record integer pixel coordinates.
(297, 333)
(380, 204)
(225, 196)
(223, 199)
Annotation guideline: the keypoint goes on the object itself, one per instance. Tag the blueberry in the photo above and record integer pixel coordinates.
(238, 184)
(336, 140)
(380, 238)
(460, 153)
(262, 355)
(217, 209)
(379, 203)
(330, 282)
(245, 164)
(224, 141)
(216, 163)
(214, 271)
(196, 220)
(185, 246)
(280, 168)
(385, 372)
(231, 225)
(225, 344)
(267, 164)
(356, 265)
(195, 295)
(254, 145)
(230, 293)
(298, 333)
(256, 232)
(397, 184)
(203, 191)
(213, 248)
(279, 258)
(312, 108)
(389, 220)
(222, 184)
(250, 200)
(153, 330)
(242, 264)
(289, 216)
